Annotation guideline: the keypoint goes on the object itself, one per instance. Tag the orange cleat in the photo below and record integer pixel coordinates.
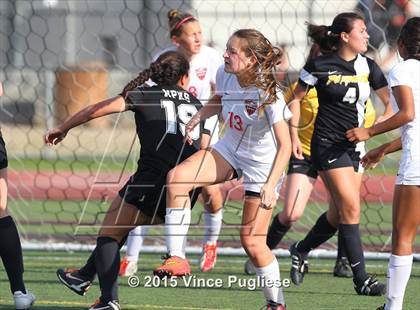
(209, 258)
(173, 266)
(127, 267)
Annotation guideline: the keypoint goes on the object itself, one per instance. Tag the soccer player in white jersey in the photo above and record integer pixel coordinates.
(343, 79)
(404, 80)
(256, 145)
(185, 33)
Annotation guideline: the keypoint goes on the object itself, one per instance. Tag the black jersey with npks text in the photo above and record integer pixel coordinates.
(343, 88)
(161, 113)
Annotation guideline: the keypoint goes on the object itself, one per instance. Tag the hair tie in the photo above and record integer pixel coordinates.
(329, 30)
(182, 21)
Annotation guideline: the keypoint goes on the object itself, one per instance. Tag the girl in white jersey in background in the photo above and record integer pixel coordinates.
(256, 145)
(404, 80)
(186, 36)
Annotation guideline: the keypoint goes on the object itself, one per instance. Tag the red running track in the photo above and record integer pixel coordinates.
(66, 185)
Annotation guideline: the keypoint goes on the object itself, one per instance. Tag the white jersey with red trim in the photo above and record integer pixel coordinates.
(248, 131)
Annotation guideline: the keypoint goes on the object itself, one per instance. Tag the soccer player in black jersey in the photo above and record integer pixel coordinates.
(10, 247)
(161, 113)
(343, 78)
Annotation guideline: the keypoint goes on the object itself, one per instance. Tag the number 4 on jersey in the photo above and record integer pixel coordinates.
(185, 113)
(350, 95)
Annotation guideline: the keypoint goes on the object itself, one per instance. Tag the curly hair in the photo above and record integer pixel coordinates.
(263, 74)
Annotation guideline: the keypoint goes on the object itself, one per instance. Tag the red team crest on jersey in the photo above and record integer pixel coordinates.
(201, 73)
(250, 106)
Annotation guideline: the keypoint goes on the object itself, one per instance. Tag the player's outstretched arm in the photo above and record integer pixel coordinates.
(374, 156)
(404, 97)
(106, 107)
(213, 107)
(384, 95)
(294, 106)
(284, 150)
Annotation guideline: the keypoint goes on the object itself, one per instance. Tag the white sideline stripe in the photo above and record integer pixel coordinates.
(197, 250)
(195, 261)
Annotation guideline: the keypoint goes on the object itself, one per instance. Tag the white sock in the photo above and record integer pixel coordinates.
(177, 222)
(213, 224)
(399, 270)
(271, 272)
(135, 242)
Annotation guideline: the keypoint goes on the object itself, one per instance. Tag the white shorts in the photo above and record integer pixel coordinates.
(255, 173)
(409, 171)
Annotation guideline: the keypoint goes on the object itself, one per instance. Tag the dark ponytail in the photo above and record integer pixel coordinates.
(328, 37)
(166, 70)
(410, 37)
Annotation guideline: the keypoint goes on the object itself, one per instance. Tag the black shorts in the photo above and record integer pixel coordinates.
(326, 155)
(3, 154)
(302, 166)
(146, 189)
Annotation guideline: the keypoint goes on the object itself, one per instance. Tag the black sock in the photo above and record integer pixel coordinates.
(321, 232)
(11, 254)
(107, 262)
(341, 250)
(89, 269)
(353, 247)
(276, 233)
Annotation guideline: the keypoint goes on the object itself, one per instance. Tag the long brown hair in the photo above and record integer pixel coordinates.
(263, 74)
(166, 70)
(328, 37)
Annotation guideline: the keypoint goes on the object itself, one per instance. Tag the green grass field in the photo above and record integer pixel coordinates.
(319, 291)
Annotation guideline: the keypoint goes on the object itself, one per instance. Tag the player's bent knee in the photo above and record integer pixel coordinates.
(252, 245)
(117, 234)
(179, 180)
(350, 214)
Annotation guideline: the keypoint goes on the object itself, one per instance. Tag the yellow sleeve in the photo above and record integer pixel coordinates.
(370, 114)
(289, 92)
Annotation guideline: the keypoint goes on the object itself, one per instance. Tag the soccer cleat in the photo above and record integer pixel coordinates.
(173, 266)
(300, 265)
(370, 287)
(209, 257)
(381, 307)
(249, 268)
(127, 267)
(110, 305)
(342, 268)
(74, 281)
(271, 305)
(23, 301)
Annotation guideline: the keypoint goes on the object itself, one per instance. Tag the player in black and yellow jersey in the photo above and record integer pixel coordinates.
(343, 78)
(302, 175)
